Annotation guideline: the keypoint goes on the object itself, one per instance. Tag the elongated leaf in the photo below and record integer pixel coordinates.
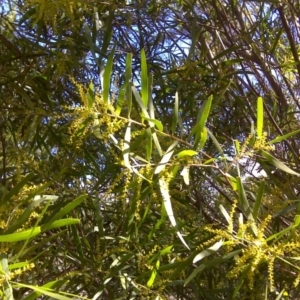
(164, 189)
(278, 164)
(91, 95)
(140, 103)
(203, 138)
(68, 208)
(20, 236)
(215, 141)
(260, 117)
(149, 145)
(258, 199)
(162, 164)
(107, 77)
(203, 115)
(43, 291)
(144, 77)
(6, 287)
(15, 190)
(283, 137)
(50, 285)
(175, 114)
(243, 198)
(126, 147)
(211, 250)
(225, 213)
(145, 114)
(185, 173)
(153, 276)
(90, 41)
(60, 223)
(24, 217)
(125, 87)
(157, 123)
(184, 153)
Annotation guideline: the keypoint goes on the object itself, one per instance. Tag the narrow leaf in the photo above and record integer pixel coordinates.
(164, 188)
(162, 164)
(278, 164)
(68, 208)
(209, 251)
(144, 78)
(175, 114)
(60, 223)
(126, 147)
(258, 199)
(260, 117)
(185, 173)
(225, 213)
(284, 137)
(20, 236)
(157, 123)
(91, 95)
(243, 198)
(186, 153)
(107, 77)
(43, 290)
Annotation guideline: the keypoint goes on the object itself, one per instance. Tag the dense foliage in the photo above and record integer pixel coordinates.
(149, 149)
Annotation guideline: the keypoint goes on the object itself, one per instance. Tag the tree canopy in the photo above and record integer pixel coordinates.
(149, 149)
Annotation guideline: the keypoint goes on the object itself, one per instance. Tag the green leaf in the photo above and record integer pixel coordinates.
(237, 147)
(232, 181)
(24, 216)
(90, 41)
(243, 198)
(203, 138)
(202, 118)
(107, 77)
(91, 95)
(175, 114)
(164, 189)
(20, 236)
(157, 123)
(145, 114)
(153, 275)
(15, 190)
(165, 159)
(225, 213)
(216, 143)
(149, 145)
(125, 87)
(126, 147)
(260, 117)
(144, 78)
(186, 153)
(60, 223)
(283, 137)
(68, 208)
(52, 285)
(278, 164)
(43, 291)
(258, 199)
(166, 250)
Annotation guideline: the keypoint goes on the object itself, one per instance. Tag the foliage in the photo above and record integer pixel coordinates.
(149, 149)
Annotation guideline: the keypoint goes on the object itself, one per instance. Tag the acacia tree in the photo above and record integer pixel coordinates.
(132, 138)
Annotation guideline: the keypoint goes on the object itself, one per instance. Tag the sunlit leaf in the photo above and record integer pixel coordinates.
(211, 250)
(184, 153)
(164, 189)
(260, 117)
